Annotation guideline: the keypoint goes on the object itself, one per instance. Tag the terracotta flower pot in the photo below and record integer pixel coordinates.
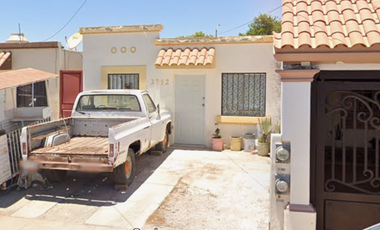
(217, 144)
(263, 148)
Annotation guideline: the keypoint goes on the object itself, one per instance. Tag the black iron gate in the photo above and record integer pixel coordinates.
(346, 150)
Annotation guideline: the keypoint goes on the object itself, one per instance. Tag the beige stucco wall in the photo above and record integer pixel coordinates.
(46, 59)
(239, 58)
(229, 58)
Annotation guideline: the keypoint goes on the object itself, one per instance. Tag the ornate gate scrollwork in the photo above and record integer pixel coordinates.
(352, 142)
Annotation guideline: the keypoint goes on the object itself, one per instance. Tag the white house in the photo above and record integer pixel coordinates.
(202, 81)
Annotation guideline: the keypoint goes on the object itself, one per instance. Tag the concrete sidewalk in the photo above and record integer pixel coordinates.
(236, 185)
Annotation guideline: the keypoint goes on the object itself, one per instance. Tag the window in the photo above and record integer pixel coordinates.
(123, 81)
(109, 102)
(33, 95)
(243, 94)
(149, 103)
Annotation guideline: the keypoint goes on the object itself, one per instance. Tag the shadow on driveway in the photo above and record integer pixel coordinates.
(96, 189)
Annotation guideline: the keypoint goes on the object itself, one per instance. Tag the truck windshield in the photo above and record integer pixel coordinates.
(108, 102)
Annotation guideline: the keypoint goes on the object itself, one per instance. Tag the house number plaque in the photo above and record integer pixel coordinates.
(159, 81)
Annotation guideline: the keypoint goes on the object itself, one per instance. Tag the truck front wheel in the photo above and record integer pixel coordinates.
(125, 173)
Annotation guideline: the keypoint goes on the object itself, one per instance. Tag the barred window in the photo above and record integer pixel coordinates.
(243, 94)
(123, 81)
(32, 95)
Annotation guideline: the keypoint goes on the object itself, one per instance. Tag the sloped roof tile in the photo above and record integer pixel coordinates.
(185, 57)
(329, 23)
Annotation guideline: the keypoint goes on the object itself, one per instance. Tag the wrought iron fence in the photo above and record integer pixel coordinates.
(14, 148)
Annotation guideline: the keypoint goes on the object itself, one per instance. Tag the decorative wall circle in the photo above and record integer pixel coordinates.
(133, 49)
(113, 50)
(123, 49)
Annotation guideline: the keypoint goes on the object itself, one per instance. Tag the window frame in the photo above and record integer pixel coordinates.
(241, 115)
(33, 95)
(146, 106)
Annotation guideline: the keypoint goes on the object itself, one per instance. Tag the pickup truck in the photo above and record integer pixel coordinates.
(106, 131)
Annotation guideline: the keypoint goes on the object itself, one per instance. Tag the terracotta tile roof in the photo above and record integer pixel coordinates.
(329, 23)
(3, 57)
(15, 78)
(185, 57)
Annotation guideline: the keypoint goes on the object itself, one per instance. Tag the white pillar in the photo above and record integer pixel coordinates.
(296, 100)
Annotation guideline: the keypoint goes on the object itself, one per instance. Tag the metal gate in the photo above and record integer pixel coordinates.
(345, 158)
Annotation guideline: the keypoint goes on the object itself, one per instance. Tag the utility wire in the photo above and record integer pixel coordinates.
(226, 31)
(67, 21)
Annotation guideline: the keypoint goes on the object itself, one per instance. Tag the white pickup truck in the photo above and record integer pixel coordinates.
(106, 131)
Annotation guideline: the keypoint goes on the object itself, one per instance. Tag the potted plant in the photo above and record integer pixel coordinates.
(277, 127)
(265, 125)
(217, 140)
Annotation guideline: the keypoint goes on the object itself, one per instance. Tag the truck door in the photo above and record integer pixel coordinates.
(155, 120)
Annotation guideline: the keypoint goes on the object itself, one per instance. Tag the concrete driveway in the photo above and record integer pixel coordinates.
(182, 189)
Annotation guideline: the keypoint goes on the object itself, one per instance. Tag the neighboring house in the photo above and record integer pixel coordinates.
(31, 91)
(331, 112)
(202, 81)
(46, 56)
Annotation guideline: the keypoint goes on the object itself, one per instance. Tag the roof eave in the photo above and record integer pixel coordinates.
(323, 54)
(214, 40)
(121, 29)
(30, 45)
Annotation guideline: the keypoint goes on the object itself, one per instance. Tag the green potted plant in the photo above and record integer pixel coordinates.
(217, 140)
(265, 125)
(277, 127)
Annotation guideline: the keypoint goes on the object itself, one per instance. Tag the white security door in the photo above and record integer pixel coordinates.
(189, 109)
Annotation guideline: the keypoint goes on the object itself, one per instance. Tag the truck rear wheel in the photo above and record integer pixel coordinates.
(163, 145)
(54, 175)
(125, 173)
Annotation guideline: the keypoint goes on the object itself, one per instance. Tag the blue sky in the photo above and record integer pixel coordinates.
(40, 19)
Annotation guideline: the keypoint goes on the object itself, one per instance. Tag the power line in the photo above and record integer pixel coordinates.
(67, 21)
(226, 31)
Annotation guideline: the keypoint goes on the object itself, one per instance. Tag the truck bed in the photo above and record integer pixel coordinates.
(89, 146)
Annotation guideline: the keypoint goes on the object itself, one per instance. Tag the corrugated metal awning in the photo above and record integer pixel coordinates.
(15, 78)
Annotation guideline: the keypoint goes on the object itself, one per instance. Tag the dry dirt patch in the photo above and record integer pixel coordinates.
(211, 197)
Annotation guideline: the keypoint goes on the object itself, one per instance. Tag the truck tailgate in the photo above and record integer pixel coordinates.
(89, 146)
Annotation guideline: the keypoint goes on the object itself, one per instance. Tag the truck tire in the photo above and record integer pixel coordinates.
(125, 173)
(163, 145)
(54, 175)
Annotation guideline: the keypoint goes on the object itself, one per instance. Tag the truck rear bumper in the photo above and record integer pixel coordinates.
(76, 167)
(89, 164)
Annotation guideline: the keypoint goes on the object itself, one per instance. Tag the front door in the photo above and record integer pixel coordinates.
(346, 158)
(71, 86)
(189, 109)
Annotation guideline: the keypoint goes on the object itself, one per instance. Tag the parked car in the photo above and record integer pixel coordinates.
(106, 131)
